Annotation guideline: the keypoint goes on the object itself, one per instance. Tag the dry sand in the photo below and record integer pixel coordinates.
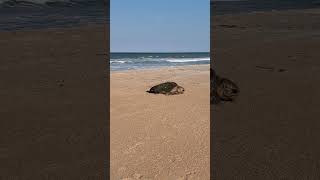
(53, 115)
(272, 131)
(158, 136)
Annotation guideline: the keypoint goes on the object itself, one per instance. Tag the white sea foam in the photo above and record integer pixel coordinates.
(182, 60)
(159, 60)
(120, 62)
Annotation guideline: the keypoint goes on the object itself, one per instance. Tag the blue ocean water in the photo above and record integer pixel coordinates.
(37, 14)
(127, 61)
(245, 6)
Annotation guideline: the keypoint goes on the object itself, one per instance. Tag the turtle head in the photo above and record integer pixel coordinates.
(180, 90)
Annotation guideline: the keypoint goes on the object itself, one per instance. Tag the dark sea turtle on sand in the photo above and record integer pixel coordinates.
(222, 89)
(167, 88)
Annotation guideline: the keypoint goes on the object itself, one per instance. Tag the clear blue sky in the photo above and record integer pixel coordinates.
(160, 25)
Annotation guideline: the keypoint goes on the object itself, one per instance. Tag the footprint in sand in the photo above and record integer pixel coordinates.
(132, 149)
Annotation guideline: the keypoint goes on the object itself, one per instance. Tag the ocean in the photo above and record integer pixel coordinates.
(246, 6)
(127, 61)
(37, 14)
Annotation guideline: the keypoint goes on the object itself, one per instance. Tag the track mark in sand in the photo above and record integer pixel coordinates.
(271, 69)
(122, 169)
(187, 176)
(178, 158)
(231, 26)
(136, 176)
(182, 178)
(171, 166)
(265, 68)
(132, 149)
(282, 70)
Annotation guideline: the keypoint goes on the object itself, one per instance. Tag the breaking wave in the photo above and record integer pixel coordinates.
(140, 60)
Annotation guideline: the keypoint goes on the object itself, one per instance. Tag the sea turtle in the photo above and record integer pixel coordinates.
(222, 89)
(167, 88)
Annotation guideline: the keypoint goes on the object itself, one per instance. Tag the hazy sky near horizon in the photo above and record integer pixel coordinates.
(160, 25)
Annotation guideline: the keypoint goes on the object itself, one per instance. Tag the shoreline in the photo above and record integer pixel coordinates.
(159, 68)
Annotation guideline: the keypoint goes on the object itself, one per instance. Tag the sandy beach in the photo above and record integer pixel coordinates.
(158, 136)
(54, 105)
(272, 130)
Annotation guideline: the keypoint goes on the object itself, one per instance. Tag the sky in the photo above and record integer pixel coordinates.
(160, 25)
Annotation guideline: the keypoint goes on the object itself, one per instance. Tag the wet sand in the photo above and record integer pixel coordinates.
(271, 131)
(54, 107)
(158, 136)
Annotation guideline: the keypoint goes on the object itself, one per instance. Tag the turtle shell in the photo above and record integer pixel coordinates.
(163, 87)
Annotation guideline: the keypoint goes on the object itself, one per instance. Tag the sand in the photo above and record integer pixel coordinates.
(158, 136)
(271, 131)
(54, 106)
